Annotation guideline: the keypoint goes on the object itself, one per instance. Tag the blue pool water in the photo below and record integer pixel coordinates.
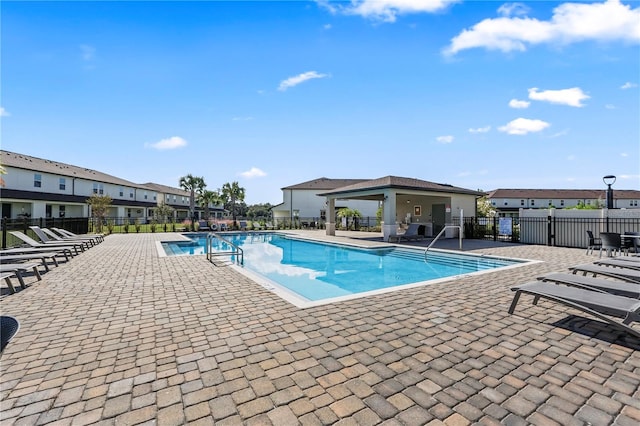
(317, 271)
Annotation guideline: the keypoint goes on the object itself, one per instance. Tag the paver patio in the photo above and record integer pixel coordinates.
(119, 335)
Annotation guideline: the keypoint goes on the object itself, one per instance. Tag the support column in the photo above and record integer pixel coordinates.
(331, 217)
(389, 227)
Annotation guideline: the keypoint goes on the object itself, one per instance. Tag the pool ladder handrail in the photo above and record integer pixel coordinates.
(236, 250)
(438, 236)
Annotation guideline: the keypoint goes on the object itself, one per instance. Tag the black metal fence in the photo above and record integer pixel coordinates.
(77, 225)
(550, 230)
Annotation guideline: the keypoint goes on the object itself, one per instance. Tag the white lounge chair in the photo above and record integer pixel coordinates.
(47, 239)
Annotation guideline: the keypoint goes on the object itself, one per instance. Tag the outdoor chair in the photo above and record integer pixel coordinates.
(9, 326)
(411, 234)
(624, 274)
(593, 242)
(76, 247)
(621, 288)
(599, 304)
(630, 244)
(611, 243)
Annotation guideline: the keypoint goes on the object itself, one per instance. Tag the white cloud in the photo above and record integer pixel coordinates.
(572, 97)
(560, 133)
(327, 26)
(170, 143)
(445, 139)
(610, 106)
(386, 10)
(518, 104)
(4, 112)
(253, 173)
(522, 126)
(513, 9)
(300, 78)
(480, 129)
(570, 23)
(628, 85)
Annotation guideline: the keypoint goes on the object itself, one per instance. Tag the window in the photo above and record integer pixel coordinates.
(121, 192)
(63, 184)
(37, 180)
(154, 198)
(522, 202)
(533, 202)
(493, 203)
(62, 210)
(98, 188)
(633, 203)
(130, 194)
(562, 202)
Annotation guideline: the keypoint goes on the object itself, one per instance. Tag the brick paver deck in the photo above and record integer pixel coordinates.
(118, 335)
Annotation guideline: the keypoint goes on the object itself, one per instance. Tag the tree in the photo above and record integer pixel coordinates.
(232, 193)
(209, 197)
(163, 211)
(259, 211)
(99, 206)
(349, 213)
(193, 184)
(484, 207)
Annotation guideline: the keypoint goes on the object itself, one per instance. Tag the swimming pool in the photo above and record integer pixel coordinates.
(309, 273)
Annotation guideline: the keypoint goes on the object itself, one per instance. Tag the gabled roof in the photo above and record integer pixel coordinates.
(167, 189)
(571, 194)
(397, 182)
(26, 162)
(324, 183)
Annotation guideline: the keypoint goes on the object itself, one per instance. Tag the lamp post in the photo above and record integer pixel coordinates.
(609, 180)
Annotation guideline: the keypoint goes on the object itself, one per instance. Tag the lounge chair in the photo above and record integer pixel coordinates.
(411, 234)
(257, 226)
(622, 288)
(98, 237)
(45, 238)
(600, 305)
(66, 252)
(616, 263)
(203, 225)
(19, 268)
(9, 258)
(223, 226)
(243, 225)
(624, 274)
(91, 241)
(269, 225)
(6, 276)
(77, 247)
(9, 327)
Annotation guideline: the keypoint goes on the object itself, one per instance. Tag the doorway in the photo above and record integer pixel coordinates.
(438, 217)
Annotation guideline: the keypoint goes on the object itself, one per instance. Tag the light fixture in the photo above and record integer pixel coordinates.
(609, 180)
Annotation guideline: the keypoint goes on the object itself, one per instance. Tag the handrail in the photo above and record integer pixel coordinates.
(236, 250)
(438, 236)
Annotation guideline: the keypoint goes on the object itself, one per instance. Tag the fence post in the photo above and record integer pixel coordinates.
(549, 233)
(4, 232)
(495, 228)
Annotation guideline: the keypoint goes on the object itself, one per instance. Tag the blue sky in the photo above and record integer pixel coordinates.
(477, 94)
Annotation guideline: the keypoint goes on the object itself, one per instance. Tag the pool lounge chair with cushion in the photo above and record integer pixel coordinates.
(601, 305)
(624, 274)
(76, 247)
(203, 225)
(9, 327)
(256, 226)
(621, 288)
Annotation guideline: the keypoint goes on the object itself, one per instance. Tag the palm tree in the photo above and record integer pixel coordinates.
(232, 193)
(193, 184)
(205, 198)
